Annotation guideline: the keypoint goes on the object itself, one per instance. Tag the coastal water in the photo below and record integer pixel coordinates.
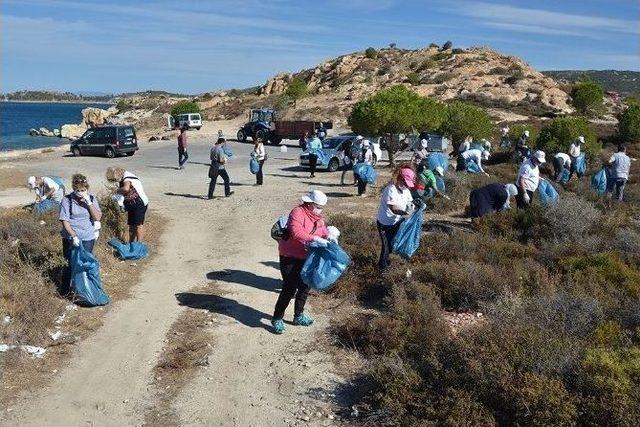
(16, 118)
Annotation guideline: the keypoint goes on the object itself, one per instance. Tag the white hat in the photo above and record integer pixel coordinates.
(439, 170)
(31, 182)
(366, 143)
(581, 139)
(424, 143)
(526, 133)
(315, 196)
(359, 138)
(512, 190)
(540, 156)
(486, 144)
(485, 155)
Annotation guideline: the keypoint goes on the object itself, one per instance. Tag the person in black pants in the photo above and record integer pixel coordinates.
(260, 155)
(490, 199)
(217, 168)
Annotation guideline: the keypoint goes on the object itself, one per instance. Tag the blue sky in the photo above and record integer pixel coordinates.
(192, 46)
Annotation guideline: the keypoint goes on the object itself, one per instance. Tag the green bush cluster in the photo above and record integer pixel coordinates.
(558, 135)
(464, 119)
(587, 97)
(413, 79)
(629, 124)
(371, 53)
(185, 107)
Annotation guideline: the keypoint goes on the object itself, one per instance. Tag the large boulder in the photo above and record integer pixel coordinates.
(276, 85)
(72, 131)
(45, 132)
(92, 117)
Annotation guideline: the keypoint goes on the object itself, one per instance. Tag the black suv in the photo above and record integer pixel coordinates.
(107, 140)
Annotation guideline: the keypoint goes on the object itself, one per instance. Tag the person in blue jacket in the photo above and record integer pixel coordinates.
(490, 199)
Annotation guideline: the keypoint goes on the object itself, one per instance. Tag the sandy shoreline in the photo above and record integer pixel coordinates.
(16, 154)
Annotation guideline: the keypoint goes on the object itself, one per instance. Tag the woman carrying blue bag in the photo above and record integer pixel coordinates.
(365, 157)
(79, 214)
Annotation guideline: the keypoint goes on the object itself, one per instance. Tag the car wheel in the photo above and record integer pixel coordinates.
(198, 128)
(334, 164)
(241, 136)
(130, 153)
(110, 152)
(76, 152)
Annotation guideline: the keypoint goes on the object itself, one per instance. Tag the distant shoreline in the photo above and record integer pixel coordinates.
(56, 102)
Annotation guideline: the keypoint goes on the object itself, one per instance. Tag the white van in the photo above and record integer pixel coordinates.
(191, 120)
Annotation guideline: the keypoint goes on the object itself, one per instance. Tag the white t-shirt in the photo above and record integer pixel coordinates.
(464, 146)
(137, 184)
(531, 175)
(574, 150)
(566, 160)
(259, 152)
(621, 165)
(392, 196)
(48, 185)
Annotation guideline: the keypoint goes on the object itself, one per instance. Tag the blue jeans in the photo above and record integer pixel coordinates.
(67, 246)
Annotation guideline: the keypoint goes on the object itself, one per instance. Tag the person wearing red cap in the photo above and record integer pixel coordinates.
(395, 203)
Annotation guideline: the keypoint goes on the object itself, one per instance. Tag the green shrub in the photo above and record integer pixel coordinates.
(426, 64)
(516, 131)
(516, 76)
(629, 124)
(371, 53)
(457, 51)
(603, 270)
(464, 119)
(587, 97)
(434, 45)
(185, 107)
(558, 135)
(123, 105)
(413, 79)
(296, 89)
(441, 56)
(498, 70)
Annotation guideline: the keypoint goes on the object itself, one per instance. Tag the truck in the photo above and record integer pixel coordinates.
(263, 124)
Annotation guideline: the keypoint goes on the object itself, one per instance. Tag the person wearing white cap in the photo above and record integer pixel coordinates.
(306, 224)
(504, 137)
(522, 146)
(575, 149)
(490, 199)
(364, 156)
(473, 155)
(420, 153)
(561, 161)
(529, 178)
(46, 188)
(465, 145)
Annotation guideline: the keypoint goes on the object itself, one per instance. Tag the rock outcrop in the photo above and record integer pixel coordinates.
(72, 131)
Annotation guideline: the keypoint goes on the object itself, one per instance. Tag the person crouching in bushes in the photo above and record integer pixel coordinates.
(136, 201)
(306, 224)
(529, 178)
(364, 156)
(395, 203)
(561, 161)
(490, 199)
(80, 215)
(426, 186)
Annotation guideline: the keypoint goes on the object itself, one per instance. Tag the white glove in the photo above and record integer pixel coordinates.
(446, 197)
(97, 226)
(76, 241)
(118, 198)
(526, 197)
(319, 240)
(333, 233)
(85, 197)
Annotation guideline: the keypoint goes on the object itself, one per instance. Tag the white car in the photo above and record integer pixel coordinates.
(191, 120)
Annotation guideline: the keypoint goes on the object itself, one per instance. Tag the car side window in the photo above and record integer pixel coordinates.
(89, 135)
(109, 133)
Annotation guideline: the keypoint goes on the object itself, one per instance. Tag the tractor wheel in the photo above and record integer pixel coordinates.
(241, 136)
(262, 134)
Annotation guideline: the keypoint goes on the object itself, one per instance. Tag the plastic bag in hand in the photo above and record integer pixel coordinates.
(440, 184)
(254, 166)
(324, 265)
(45, 206)
(564, 176)
(227, 151)
(322, 156)
(546, 192)
(407, 240)
(85, 278)
(366, 172)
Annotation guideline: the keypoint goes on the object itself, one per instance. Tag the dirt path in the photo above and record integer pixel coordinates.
(254, 377)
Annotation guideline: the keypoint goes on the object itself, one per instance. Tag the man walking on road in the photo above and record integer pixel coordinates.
(218, 160)
(183, 156)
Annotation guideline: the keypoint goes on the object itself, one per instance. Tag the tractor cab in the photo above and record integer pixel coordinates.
(264, 115)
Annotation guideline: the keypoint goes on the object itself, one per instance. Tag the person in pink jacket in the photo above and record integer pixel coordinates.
(306, 224)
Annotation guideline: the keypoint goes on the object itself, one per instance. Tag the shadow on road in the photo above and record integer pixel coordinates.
(339, 194)
(248, 316)
(246, 278)
(187, 195)
(175, 168)
(272, 264)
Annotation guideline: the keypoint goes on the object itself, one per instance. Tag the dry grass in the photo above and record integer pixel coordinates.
(31, 264)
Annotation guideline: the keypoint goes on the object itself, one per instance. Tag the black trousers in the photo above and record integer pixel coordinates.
(558, 167)
(292, 285)
(214, 174)
(387, 234)
(520, 198)
(259, 176)
(183, 156)
(67, 246)
(313, 162)
(362, 185)
(461, 164)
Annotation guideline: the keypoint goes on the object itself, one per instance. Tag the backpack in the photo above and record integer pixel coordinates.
(279, 230)
(70, 197)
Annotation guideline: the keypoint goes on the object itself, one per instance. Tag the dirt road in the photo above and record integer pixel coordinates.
(253, 377)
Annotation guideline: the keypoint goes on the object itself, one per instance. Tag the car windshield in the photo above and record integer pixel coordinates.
(331, 143)
(261, 116)
(195, 117)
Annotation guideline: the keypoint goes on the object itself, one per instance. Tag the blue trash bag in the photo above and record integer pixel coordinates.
(581, 165)
(45, 206)
(133, 250)
(472, 167)
(323, 159)
(254, 166)
(324, 265)
(564, 176)
(407, 240)
(437, 159)
(440, 184)
(599, 181)
(60, 182)
(548, 195)
(366, 172)
(85, 278)
(227, 151)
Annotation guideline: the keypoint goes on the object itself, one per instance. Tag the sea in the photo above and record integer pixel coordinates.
(16, 118)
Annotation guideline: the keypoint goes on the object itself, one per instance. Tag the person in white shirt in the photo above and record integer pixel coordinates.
(561, 161)
(260, 155)
(465, 145)
(45, 188)
(504, 137)
(473, 155)
(395, 203)
(529, 178)
(136, 201)
(574, 152)
(364, 156)
(620, 164)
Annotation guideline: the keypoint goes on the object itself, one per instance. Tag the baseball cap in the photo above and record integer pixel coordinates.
(408, 176)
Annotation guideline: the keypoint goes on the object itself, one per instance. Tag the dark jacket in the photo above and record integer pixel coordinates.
(488, 199)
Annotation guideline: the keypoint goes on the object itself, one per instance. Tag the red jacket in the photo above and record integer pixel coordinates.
(303, 225)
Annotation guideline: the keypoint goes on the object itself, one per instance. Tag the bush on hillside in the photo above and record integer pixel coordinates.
(558, 135)
(629, 124)
(413, 79)
(185, 107)
(296, 89)
(587, 97)
(371, 53)
(464, 119)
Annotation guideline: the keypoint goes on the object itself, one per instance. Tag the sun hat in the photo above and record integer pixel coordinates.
(581, 139)
(31, 182)
(512, 190)
(359, 138)
(424, 143)
(408, 176)
(540, 156)
(486, 144)
(316, 197)
(439, 170)
(526, 133)
(485, 155)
